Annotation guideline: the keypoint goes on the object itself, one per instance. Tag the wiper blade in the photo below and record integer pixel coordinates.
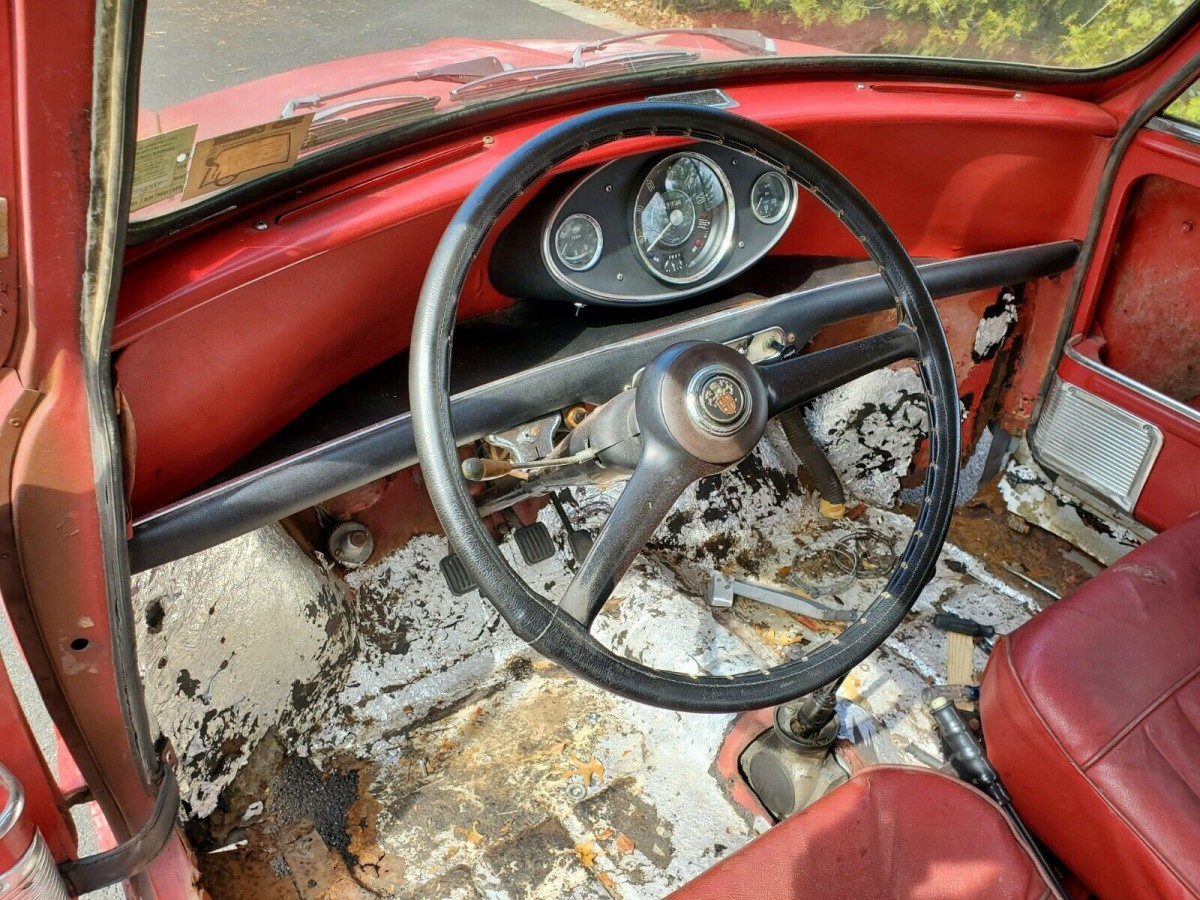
(577, 68)
(747, 40)
(332, 123)
(460, 72)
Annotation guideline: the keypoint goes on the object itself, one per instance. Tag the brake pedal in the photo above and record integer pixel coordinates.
(534, 542)
(458, 579)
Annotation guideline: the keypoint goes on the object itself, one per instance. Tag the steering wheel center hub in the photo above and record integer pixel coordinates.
(704, 398)
(718, 401)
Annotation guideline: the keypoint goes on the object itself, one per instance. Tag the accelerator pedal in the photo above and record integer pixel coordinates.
(578, 539)
(458, 579)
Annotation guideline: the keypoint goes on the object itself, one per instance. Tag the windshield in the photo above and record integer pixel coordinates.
(234, 91)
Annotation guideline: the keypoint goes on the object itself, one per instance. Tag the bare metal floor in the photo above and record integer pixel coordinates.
(468, 767)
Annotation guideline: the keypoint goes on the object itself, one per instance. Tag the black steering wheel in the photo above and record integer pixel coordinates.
(700, 407)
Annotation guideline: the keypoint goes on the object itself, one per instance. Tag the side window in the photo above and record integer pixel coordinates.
(1186, 107)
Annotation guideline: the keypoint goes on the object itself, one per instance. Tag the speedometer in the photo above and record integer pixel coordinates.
(683, 218)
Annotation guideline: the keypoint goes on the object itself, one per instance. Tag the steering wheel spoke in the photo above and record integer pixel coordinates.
(657, 482)
(802, 378)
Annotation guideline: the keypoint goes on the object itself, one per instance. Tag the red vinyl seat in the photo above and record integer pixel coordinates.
(890, 831)
(1091, 711)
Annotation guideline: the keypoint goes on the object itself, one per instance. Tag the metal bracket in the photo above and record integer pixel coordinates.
(722, 589)
(128, 859)
(529, 442)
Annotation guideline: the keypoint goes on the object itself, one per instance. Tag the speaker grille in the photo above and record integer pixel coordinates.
(1096, 444)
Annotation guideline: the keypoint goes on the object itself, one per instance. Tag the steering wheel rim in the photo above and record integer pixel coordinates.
(537, 619)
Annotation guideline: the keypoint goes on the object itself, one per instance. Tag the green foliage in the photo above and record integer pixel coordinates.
(1078, 33)
(1186, 106)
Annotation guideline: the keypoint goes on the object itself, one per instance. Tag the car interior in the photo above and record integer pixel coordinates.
(739, 482)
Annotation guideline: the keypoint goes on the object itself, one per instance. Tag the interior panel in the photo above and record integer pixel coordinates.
(1134, 332)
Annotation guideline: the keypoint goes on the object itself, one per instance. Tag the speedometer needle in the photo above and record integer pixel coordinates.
(674, 217)
(650, 246)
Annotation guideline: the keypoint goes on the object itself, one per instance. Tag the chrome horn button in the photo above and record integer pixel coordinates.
(718, 401)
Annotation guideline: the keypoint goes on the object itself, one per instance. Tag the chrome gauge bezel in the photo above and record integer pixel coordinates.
(789, 200)
(724, 240)
(595, 257)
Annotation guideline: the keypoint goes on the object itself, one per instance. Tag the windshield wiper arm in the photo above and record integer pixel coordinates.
(461, 72)
(576, 68)
(747, 40)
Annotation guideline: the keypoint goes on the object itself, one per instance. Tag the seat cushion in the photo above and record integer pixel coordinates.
(1091, 711)
(890, 831)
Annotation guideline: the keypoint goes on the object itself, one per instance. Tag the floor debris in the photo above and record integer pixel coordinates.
(483, 772)
(1031, 494)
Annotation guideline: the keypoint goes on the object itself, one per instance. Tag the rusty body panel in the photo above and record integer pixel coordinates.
(1149, 313)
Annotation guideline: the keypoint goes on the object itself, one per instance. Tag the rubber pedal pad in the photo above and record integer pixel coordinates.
(458, 579)
(534, 542)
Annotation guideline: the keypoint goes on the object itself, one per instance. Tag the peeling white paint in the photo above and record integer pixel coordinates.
(871, 428)
(428, 668)
(994, 327)
(751, 522)
(1029, 493)
(242, 638)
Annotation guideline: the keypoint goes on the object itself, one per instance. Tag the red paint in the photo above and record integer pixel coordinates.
(1172, 491)
(747, 727)
(53, 499)
(1149, 310)
(229, 333)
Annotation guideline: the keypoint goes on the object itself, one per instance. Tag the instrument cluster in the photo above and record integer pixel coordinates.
(652, 228)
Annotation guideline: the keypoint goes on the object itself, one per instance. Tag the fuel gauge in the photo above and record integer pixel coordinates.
(578, 242)
(770, 198)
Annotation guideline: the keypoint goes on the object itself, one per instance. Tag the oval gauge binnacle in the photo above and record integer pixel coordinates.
(682, 218)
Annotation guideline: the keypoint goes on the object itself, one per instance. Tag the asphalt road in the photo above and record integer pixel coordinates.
(194, 47)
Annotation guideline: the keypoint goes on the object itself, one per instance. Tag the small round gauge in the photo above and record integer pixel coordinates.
(770, 198)
(578, 242)
(683, 218)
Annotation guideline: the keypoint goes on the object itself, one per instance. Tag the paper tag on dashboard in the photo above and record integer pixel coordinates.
(242, 156)
(160, 166)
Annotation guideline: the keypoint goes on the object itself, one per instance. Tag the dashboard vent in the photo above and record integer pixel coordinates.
(1096, 444)
(714, 97)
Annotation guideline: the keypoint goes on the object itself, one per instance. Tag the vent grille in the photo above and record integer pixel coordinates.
(714, 97)
(1095, 443)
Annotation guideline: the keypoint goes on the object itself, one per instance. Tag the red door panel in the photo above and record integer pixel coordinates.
(1137, 330)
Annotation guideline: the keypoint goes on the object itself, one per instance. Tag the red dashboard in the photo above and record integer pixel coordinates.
(254, 316)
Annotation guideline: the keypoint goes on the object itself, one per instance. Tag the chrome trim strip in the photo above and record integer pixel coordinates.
(1125, 381)
(1175, 128)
